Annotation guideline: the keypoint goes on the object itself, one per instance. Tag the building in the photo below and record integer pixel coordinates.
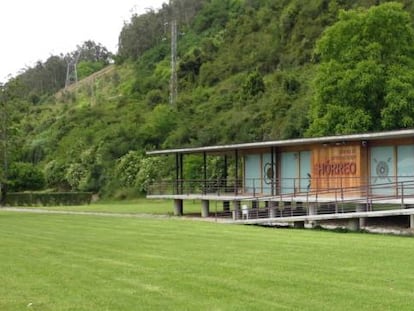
(306, 178)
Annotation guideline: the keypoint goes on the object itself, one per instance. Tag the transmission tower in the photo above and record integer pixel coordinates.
(71, 71)
(173, 79)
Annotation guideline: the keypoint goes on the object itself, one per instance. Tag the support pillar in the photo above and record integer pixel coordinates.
(272, 209)
(353, 224)
(178, 207)
(362, 220)
(411, 221)
(236, 211)
(205, 208)
(313, 210)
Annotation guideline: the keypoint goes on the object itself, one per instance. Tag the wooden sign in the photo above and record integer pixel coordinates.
(336, 166)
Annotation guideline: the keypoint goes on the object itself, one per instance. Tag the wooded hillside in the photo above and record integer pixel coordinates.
(248, 70)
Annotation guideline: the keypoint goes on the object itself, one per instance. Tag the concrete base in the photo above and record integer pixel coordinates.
(353, 224)
(178, 207)
(313, 211)
(205, 208)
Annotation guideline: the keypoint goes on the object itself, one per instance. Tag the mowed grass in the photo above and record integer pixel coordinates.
(78, 262)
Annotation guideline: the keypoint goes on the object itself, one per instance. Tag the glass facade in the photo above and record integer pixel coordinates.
(382, 169)
(295, 172)
(289, 172)
(252, 173)
(269, 173)
(405, 169)
(392, 169)
(305, 171)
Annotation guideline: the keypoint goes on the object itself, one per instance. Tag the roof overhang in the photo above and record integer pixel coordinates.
(290, 142)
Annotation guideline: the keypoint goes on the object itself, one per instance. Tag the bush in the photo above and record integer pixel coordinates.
(25, 176)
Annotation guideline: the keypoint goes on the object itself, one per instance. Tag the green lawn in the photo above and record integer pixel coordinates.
(138, 206)
(77, 262)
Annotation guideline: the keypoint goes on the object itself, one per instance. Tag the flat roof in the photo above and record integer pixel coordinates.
(291, 142)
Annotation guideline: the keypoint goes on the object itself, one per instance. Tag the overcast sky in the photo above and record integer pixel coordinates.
(32, 30)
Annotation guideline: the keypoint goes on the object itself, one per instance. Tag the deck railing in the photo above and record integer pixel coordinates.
(316, 190)
(372, 195)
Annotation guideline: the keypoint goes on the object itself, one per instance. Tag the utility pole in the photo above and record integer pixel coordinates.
(173, 79)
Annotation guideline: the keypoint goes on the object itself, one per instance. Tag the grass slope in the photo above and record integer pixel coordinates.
(56, 262)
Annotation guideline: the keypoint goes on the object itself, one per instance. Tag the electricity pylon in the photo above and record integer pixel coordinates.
(71, 72)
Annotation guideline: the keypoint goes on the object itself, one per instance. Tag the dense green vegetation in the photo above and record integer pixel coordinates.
(248, 70)
(68, 262)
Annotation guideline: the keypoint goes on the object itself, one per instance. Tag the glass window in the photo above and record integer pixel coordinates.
(268, 173)
(252, 173)
(305, 171)
(289, 172)
(405, 169)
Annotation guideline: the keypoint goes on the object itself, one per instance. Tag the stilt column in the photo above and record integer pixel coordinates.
(313, 210)
(353, 224)
(178, 207)
(236, 210)
(205, 208)
(362, 220)
(272, 207)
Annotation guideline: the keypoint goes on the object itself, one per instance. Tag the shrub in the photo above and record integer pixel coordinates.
(25, 176)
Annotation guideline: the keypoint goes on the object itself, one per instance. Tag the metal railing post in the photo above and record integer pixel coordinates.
(254, 188)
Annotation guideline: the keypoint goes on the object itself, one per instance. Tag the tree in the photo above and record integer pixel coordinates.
(9, 140)
(94, 52)
(4, 145)
(365, 80)
(140, 34)
(253, 85)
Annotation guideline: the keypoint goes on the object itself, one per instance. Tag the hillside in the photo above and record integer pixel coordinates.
(245, 73)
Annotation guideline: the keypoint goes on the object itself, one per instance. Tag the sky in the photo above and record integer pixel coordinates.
(33, 30)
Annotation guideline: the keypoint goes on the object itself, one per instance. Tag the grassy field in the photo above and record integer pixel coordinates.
(138, 206)
(75, 262)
